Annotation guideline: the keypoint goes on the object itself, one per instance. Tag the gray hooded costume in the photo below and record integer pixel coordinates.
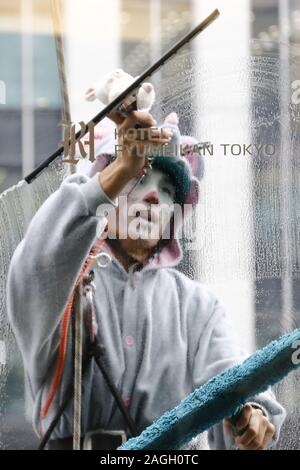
(164, 334)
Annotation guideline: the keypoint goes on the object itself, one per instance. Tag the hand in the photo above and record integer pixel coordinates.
(258, 433)
(134, 142)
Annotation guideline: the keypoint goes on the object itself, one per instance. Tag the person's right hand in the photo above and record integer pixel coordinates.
(133, 143)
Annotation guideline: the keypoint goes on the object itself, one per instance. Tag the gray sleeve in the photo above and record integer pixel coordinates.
(46, 264)
(218, 350)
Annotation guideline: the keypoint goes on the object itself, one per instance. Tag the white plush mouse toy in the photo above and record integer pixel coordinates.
(106, 90)
(114, 83)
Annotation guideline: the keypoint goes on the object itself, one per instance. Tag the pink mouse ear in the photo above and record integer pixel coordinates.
(90, 94)
(172, 118)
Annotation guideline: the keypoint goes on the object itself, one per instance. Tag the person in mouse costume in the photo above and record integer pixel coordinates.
(162, 334)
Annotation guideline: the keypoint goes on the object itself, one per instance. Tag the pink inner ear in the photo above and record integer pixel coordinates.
(172, 118)
(89, 92)
(147, 87)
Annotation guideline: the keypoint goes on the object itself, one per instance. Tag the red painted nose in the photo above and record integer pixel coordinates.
(152, 198)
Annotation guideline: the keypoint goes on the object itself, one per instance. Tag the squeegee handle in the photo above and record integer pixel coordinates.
(234, 419)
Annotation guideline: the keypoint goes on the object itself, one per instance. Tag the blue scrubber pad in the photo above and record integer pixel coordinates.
(220, 397)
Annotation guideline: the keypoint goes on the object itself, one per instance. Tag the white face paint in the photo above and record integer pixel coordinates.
(147, 211)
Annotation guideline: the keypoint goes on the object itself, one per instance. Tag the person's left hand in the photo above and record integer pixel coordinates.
(258, 433)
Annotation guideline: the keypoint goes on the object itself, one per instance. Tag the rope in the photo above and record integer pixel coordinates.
(66, 115)
(64, 332)
(78, 312)
(57, 26)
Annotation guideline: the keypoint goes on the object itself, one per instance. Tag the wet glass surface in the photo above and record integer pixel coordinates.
(243, 239)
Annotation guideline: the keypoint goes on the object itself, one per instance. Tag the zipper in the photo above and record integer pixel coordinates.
(131, 271)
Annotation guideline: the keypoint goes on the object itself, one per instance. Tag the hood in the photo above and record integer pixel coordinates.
(171, 254)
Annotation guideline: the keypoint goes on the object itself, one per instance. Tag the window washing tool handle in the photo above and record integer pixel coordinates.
(234, 419)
